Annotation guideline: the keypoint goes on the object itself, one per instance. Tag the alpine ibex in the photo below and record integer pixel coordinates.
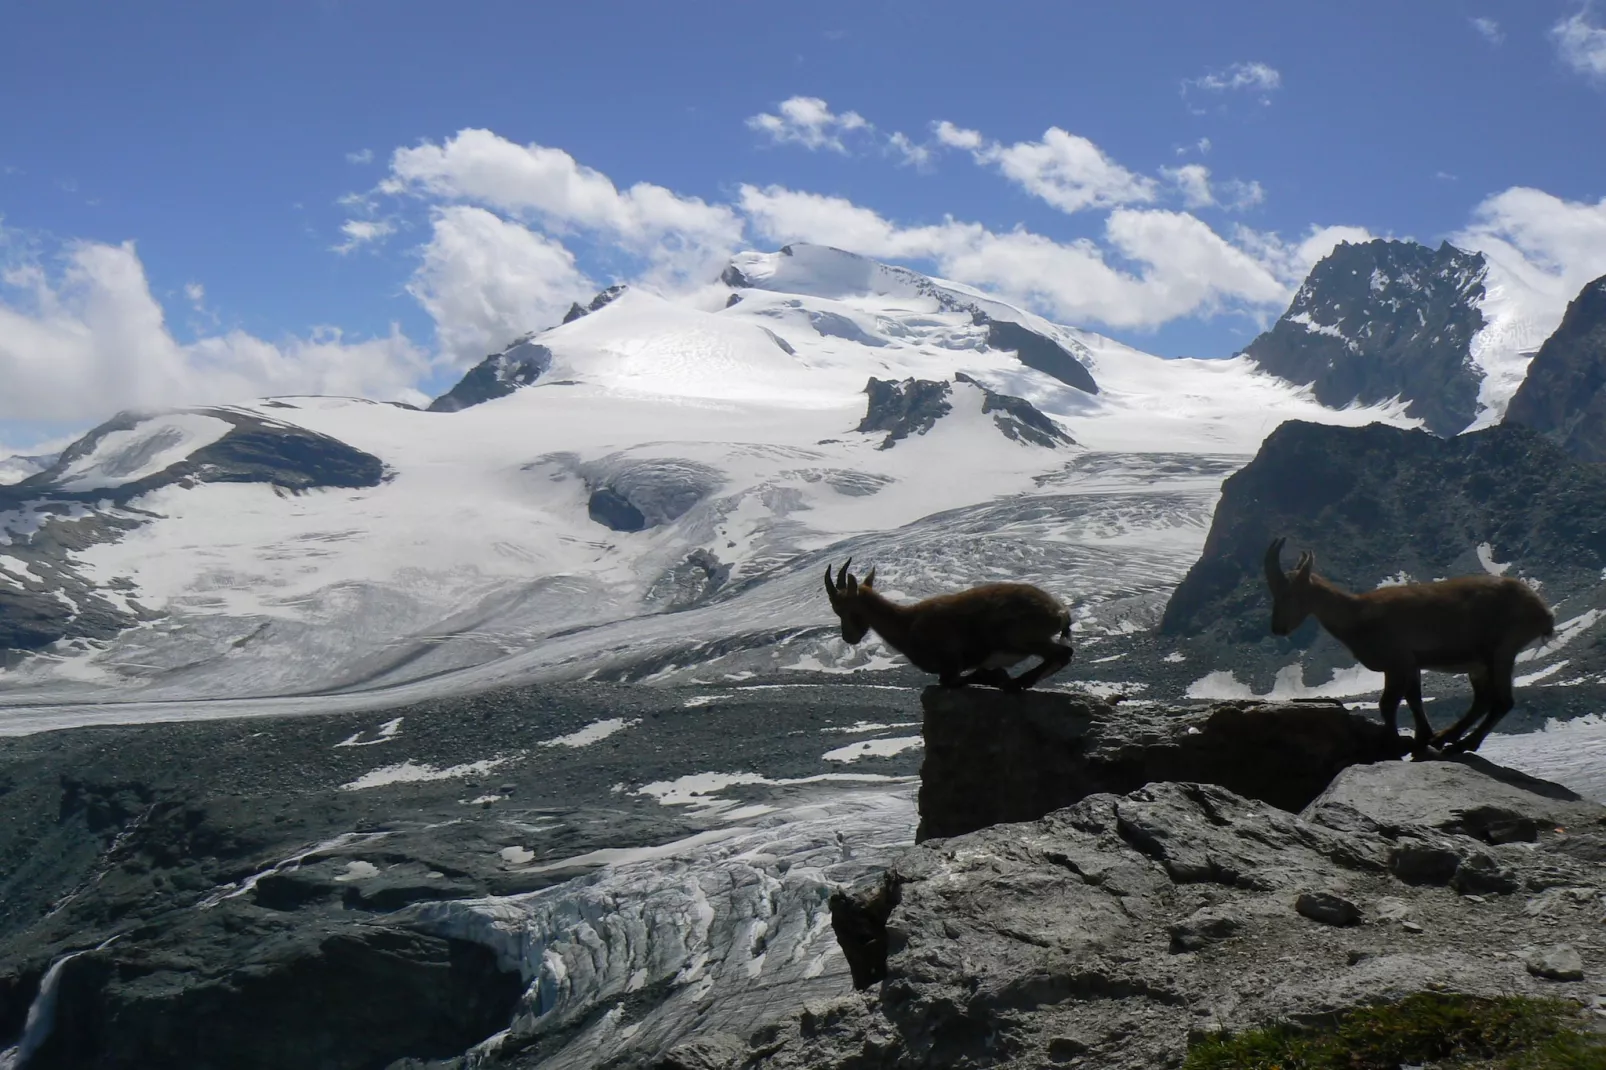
(1470, 624)
(969, 637)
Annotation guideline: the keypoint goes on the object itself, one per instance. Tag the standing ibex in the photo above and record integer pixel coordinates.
(1470, 624)
(973, 636)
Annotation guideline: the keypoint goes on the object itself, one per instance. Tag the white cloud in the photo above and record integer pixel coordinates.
(1489, 30)
(1258, 77)
(1235, 194)
(486, 280)
(684, 237)
(360, 156)
(918, 156)
(360, 232)
(1193, 180)
(1581, 45)
(1550, 246)
(1183, 267)
(808, 121)
(80, 343)
(196, 293)
(1069, 172)
(956, 137)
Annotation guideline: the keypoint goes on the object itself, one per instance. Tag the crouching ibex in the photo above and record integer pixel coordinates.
(1470, 624)
(970, 637)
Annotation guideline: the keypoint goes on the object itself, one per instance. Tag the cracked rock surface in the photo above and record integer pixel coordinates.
(1110, 932)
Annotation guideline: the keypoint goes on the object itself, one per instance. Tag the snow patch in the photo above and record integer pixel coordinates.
(410, 772)
(594, 732)
(885, 747)
(385, 733)
(1486, 559)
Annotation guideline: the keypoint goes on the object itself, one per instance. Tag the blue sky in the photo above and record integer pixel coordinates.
(362, 197)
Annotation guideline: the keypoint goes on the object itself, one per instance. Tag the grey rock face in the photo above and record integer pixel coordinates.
(901, 409)
(1562, 395)
(1374, 502)
(696, 578)
(1117, 928)
(1037, 351)
(993, 757)
(498, 375)
(1382, 319)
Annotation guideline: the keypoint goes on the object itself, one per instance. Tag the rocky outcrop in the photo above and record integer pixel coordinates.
(1114, 932)
(1036, 351)
(993, 757)
(1382, 319)
(1379, 504)
(1018, 419)
(604, 297)
(913, 407)
(1562, 395)
(901, 409)
(497, 376)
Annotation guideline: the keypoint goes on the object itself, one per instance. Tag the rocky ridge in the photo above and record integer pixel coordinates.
(1379, 504)
(1563, 395)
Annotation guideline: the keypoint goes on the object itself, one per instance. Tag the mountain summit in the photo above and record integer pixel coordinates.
(1383, 320)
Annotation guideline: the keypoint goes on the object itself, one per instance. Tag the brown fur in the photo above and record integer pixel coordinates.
(1470, 624)
(968, 637)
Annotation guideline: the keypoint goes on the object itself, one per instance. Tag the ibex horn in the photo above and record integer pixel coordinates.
(1274, 567)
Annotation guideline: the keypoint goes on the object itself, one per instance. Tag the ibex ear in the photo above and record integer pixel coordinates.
(1306, 560)
(869, 578)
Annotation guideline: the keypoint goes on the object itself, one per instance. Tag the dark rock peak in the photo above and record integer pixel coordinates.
(1562, 395)
(498, 375)
(1376, 501)
(1036, 351)
(901, 409)
(732, 276)
(1019, 419)
(576, 310)
(1381, 319)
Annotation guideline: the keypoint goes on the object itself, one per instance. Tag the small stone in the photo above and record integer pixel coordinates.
(1355, 958)
(1411, 926)
(1469, 897)
(1391, 908)
(1327, 908)
(1204, 927)
(1559, 963)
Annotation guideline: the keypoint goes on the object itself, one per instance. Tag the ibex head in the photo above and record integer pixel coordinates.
(844, 592)
(1290, 593)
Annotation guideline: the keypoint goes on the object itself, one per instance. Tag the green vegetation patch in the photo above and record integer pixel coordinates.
(1426, 1029)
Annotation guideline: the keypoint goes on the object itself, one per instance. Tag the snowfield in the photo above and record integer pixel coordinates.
(733, 426)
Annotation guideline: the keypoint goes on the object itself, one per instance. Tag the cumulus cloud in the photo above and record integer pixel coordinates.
(1549, 245)
(1193, 180)
(361, 156)
(87, 339)
(1181, 266)
(1489, 30)
(808, 121)
(907, 151)
(485, 281)
(1065, 170)
(1581, 45)
(683, 237)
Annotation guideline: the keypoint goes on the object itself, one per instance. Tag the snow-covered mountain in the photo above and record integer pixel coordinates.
(1442, 331)
(654, 493)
